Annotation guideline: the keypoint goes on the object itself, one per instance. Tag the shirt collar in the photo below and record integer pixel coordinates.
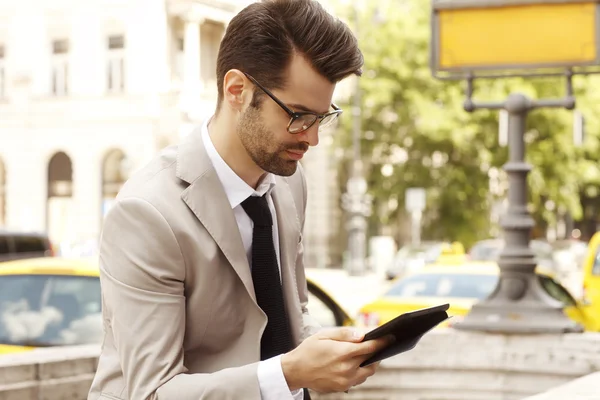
(235, 188)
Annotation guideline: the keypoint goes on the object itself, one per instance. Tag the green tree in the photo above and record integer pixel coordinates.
(417, 134)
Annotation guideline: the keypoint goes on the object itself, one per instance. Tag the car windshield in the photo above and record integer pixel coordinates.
(477, 286)
(50, 310)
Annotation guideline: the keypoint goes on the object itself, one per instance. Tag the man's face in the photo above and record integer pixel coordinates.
(263, 129)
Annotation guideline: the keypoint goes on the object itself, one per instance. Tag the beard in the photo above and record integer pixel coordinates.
(262, 147)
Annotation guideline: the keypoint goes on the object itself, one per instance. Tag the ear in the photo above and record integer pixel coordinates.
(237, 89)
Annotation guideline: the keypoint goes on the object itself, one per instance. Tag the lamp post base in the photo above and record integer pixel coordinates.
(532, 311)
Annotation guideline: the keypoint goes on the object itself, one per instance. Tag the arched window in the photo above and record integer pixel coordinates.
(60, 202)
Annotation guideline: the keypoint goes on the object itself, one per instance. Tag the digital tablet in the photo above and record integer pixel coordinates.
(407, 329)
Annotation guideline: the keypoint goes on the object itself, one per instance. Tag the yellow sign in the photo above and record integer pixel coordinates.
(472, 35)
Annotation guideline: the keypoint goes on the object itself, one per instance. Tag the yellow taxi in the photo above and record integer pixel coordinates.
(322, 306)
(49, 301)
(53, 301)
(591, 276)
(413, 257)
(461, 286)
(452, 254)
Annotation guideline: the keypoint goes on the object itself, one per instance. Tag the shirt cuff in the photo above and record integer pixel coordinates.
(272, 383)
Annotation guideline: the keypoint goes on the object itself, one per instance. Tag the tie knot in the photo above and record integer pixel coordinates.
(257, 209)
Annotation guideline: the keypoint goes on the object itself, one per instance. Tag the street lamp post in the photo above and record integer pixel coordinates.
(356, 201)
(496, 39)
(519, 304)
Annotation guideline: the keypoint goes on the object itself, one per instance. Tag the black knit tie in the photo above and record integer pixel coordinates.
(276, 338)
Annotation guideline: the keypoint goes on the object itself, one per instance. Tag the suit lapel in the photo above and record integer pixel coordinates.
(215, 213)
(289, 237)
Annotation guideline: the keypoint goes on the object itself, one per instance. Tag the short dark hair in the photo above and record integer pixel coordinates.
(262, 38)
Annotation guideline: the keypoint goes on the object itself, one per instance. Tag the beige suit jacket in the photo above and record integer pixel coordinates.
(179, 310)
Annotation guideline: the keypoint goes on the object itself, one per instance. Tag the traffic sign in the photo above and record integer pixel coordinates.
(415, 199)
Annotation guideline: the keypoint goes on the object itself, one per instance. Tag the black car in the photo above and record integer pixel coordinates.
(19, 245)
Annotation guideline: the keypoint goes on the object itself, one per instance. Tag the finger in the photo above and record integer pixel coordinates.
(373, 366)
(344, 334)
(363, 374)
(371, 346)
(371, 369)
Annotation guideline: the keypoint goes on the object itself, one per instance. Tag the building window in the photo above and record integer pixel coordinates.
(59, 204)
(60, 67)
(2, 74)
(116, 64)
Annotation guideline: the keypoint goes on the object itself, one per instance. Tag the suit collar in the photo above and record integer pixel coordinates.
(192, 159)
(236, 189)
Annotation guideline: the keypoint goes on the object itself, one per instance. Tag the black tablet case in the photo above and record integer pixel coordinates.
(407, 330)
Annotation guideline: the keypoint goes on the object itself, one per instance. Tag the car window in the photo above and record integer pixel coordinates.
(477, 286)
(29, 244)
(48, 310)
(486, 251)
(557, 291)
(320, 311)
(596, 266)
(4, 245)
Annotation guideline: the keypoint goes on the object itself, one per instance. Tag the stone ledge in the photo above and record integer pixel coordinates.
(450, 365)
(58, 373)
(585, 388)
(445, 365)
(50, 354)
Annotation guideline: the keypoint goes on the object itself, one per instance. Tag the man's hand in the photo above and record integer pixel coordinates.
(329, 361)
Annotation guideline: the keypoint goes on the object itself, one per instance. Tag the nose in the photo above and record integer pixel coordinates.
(311, 135)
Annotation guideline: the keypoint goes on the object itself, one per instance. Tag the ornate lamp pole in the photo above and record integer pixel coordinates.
(519, 303)
(495, 39)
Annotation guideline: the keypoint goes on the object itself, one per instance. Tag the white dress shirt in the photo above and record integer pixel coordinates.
(273, 385)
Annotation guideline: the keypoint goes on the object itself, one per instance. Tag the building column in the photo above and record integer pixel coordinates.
(192, 83)
(87, 193)
(26, 189)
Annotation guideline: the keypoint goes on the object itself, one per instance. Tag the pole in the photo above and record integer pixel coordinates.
(416, 227)
(519, 304)
(356, 201)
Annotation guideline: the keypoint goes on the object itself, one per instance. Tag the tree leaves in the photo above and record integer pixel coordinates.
(415, 133)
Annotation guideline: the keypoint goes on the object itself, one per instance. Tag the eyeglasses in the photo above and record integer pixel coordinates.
(301, 121)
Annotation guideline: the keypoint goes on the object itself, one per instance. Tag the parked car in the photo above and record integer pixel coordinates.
(410, 258)
(489, 250)
(461, 287)
(324, 308)
(591, 275)
(569, 254)
(19, 245)
(55, 301)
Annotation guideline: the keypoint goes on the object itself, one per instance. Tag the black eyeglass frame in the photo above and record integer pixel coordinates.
(294, 115)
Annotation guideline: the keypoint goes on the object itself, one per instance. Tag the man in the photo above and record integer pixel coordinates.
(204, 294)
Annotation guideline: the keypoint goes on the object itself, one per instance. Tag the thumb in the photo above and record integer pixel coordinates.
(344, 334)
